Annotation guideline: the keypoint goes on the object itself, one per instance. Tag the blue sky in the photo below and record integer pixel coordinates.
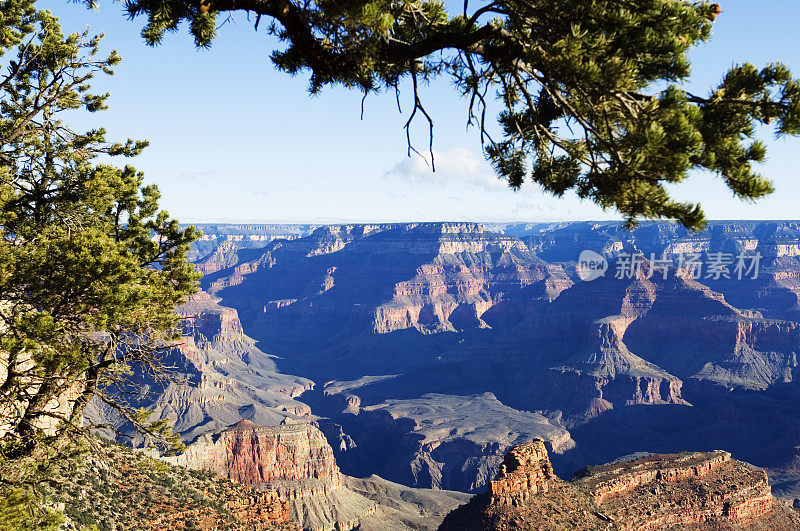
(234, 140)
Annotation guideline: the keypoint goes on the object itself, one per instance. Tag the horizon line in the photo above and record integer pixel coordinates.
(321, 223)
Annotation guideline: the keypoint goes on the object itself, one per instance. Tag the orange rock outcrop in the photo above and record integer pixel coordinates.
(255, 455)
(525, 471)
(608, 480)
(692, 490)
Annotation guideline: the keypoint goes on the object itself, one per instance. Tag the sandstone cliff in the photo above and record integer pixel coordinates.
(701, 490)
(473, 272)
(295, 461)
(253, 455)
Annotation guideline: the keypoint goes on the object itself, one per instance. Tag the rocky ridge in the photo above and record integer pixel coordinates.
(693, 490)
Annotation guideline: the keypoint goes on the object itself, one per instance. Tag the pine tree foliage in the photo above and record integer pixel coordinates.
(591, 91)
(90, 268)
(20, 511)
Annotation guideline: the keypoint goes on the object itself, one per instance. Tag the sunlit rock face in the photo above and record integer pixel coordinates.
(253, 455)
(692, 490)
(295, 461)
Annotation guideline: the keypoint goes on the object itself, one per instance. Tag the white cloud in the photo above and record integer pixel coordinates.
(454, 165)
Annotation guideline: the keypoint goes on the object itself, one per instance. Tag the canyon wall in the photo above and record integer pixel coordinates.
(462, 309)
(217, 377)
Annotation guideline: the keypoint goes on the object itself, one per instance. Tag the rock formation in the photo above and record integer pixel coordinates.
(524, 472)
(293, 459)
(254, 455)
(296, 462)
(693, 490)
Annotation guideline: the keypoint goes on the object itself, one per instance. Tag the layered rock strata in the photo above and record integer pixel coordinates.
(295, 462)
(525, 471)
(700, 490)
(255, 455)
(453, 310)
(293, 459)
(608, 480)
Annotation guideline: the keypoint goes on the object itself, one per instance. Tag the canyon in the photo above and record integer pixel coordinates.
(411, 357)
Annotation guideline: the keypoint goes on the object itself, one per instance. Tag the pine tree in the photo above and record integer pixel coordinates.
(590, 91)
(90, 268)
